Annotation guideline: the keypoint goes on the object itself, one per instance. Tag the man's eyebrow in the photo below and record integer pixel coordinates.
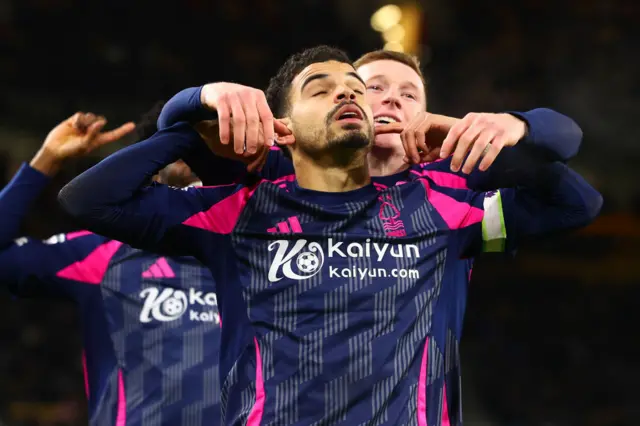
(355, 75)
(378, 77)
(405, 84)
(410, 84)
(312, 78)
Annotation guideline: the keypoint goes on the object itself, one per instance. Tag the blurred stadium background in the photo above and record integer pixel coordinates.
(549, 336)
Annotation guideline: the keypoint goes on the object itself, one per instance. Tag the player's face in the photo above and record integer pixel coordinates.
(395, 93)
(328, 109)
(177, 174)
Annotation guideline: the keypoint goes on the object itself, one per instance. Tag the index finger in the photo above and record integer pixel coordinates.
(389, 128)
(115, 134)
(266, 117)
(452, 137)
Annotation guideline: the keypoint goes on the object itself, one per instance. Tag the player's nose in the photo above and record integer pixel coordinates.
(390, 98)
(344, 93)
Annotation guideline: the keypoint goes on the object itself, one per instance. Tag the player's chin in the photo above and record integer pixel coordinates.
(353, 139)
(349, 125)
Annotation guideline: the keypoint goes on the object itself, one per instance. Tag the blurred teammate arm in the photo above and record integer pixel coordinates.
(31, 267)
(54, 267)
(114, 198)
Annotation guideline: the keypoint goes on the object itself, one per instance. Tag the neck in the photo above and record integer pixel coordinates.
(326, 175)
(386, 161)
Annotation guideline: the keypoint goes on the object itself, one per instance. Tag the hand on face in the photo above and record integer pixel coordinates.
(209, 132)
(432, 136)
(482, 136)
(243, 116)
(421, 137)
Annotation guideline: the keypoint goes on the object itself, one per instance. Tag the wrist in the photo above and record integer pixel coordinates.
(523, 129)
(46, 162)
(203, 97)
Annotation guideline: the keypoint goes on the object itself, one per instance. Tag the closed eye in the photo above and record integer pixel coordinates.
(320, 93)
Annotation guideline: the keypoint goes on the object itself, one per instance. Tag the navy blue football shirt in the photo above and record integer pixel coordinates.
(337, 308)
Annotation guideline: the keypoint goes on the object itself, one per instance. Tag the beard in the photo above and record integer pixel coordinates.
(354, 138)
(331, 144)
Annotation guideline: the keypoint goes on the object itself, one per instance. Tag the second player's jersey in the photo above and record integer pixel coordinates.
(165, 329)
(150, 325)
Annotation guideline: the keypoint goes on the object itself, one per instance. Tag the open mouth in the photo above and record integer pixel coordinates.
(385, 119)
(349, 113)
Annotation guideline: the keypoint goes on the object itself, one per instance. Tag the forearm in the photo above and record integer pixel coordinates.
(555, 134)
(17, 198)
(552, 198)
(185, 106)
(46, 162)
(212, 169)
(97, 195)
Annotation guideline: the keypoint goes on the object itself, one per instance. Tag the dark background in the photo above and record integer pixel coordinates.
(549, 337)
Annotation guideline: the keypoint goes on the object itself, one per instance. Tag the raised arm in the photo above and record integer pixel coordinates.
(16, 199)
(76, 136)
(483, 150)
(239, 141)
(555, 134)
(479, 138)
(187, 106)
(31, 267)
(28, 267)
(115, 197)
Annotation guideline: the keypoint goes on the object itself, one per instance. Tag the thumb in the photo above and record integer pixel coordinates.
(389, 128)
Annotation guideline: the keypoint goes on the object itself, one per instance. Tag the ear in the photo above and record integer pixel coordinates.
(284, 132)
(286, 121)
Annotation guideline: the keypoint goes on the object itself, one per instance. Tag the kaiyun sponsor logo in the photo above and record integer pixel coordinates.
(301, 259)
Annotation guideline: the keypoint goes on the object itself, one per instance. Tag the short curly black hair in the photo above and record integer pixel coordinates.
(277, 92)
